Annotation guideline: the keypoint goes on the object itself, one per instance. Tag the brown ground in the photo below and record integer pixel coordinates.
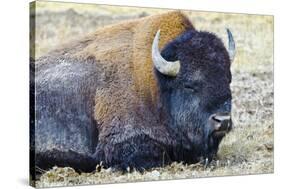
(248, 149)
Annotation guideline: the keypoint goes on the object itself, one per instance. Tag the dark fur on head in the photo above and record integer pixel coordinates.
(200, 89)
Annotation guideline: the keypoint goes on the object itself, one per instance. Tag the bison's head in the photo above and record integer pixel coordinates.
(194, 77)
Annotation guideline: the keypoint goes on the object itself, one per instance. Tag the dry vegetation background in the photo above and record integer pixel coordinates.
(248, 149)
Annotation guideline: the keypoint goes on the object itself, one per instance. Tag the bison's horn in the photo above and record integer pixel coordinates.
(231, 45)
(162, 65)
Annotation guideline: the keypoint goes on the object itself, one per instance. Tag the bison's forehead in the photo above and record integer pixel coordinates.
(203, 49)
(203, 56)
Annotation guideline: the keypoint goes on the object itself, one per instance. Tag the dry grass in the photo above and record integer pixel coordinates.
(248, 149)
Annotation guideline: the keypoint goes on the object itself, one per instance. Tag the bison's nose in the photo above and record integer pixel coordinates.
(220, 123)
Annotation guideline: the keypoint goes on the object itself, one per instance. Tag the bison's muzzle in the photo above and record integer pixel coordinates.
(220, 123)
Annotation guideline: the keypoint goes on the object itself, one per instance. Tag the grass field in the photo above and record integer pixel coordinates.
(248, 149)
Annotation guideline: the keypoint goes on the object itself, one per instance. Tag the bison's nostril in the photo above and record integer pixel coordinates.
(221, 117)
(216, 119)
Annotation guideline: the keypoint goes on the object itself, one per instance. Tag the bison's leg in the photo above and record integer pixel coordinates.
(139, 152)
(69, 158)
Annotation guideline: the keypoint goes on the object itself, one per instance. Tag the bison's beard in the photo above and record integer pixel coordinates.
(195, 140)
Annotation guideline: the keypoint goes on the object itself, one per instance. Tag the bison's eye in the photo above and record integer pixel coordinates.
(189, 88)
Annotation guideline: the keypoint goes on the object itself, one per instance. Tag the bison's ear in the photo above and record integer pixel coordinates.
(169, 52)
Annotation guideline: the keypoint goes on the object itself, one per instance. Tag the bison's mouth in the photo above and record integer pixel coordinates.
(223, 130)
(220, 124)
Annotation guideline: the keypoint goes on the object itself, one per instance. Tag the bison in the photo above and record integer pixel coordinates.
(139, 94)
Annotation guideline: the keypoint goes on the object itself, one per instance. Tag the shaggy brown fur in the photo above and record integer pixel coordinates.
(129, 45)
(123, 54)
